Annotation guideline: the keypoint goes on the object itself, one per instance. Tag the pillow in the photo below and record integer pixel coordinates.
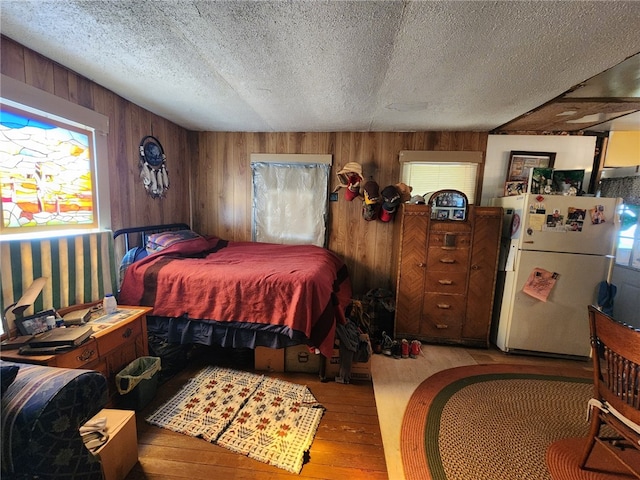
(159, 241)
(7, 376)
(133, 255)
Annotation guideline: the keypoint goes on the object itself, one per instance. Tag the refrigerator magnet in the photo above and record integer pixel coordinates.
(536, 222)
(575, 219)
(597, 214)
(515, 225)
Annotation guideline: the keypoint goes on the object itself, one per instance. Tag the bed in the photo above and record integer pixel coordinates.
(210, 291)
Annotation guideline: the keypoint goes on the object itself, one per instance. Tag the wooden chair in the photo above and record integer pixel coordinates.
(616, 402)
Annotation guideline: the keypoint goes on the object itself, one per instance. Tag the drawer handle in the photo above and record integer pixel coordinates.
(444, 306)
(475, 267)
(422, 265)
(441, 326)
(127, 333)
(86, 355)
(445, 282)
(447, 260)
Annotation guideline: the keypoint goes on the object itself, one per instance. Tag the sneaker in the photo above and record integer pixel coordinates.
(396, 350)
(387, 344)
(416, 349)
(405, 348)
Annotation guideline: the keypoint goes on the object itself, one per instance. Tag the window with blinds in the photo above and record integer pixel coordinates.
(429, 171)
(430, 177)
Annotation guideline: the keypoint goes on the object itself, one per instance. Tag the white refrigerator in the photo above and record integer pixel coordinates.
(568, 239)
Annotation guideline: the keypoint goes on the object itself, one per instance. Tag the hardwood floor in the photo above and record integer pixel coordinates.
(358, 437)
(348, 443)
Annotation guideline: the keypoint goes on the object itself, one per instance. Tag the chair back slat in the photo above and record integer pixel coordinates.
(616, 357)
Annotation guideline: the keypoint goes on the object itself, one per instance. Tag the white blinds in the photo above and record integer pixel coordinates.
(427, 177)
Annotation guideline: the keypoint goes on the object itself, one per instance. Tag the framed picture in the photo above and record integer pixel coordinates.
(34, 324)
(442, 214)
(567, 182)
(522, 163)
(459, 214)
(514, 188)
(541, 180)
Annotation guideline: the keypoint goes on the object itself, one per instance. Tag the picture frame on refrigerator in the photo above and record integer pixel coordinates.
(567, 182)
(541, 179)
(521, 163)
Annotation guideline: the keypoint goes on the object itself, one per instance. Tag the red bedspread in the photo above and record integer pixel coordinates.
(303, 287)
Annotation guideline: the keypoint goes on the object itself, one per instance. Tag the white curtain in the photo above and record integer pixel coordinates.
(290, 202)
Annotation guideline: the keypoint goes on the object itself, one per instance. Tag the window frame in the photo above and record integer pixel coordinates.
(261, 229)
(634, 252)
(41, 103)
(447, 157)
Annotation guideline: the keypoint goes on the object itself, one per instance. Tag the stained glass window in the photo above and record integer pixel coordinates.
(46, 173)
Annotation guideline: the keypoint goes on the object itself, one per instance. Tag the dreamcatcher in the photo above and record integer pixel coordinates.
(153, 169)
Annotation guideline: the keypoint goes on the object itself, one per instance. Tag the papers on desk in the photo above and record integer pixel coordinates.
(106, 321)
(119, 315)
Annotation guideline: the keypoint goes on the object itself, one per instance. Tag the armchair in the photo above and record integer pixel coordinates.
(42, 411)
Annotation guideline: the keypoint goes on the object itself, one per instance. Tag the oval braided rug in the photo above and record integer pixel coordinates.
(489, 422)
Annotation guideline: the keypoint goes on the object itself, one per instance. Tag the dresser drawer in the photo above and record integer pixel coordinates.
(81, 357)
(446, 282)
(449, 240)
(454, 260)
(123, 334)
(120, 358)
(443, 315)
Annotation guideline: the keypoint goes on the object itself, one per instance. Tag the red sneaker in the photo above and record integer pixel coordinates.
(416, 348)
(405, 348)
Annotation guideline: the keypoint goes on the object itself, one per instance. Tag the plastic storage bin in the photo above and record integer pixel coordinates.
(137, 383)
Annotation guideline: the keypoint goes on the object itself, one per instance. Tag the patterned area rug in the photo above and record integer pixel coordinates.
(269, 420)
(488, 422)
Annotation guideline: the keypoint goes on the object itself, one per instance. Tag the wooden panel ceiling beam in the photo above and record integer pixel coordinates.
(570, 115)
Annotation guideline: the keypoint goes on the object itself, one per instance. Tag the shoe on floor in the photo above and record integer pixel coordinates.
(396, 350)
(404, 345)
(415, 349)
(387, 343)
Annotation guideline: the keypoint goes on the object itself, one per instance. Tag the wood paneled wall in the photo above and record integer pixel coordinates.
(212, 169)
(221, 188)
(128, 124)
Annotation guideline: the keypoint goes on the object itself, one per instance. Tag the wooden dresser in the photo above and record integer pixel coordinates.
(116, 342)
(446, 274)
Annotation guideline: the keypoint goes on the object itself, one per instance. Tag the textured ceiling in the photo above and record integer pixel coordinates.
(331, 65)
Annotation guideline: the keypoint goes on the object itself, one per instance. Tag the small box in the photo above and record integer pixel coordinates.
(300, 359)
(269, 359)
(120, 453)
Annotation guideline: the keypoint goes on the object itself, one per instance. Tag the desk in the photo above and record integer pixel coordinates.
(118, 339)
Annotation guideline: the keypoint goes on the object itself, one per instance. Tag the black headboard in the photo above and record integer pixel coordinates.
(137, 236)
